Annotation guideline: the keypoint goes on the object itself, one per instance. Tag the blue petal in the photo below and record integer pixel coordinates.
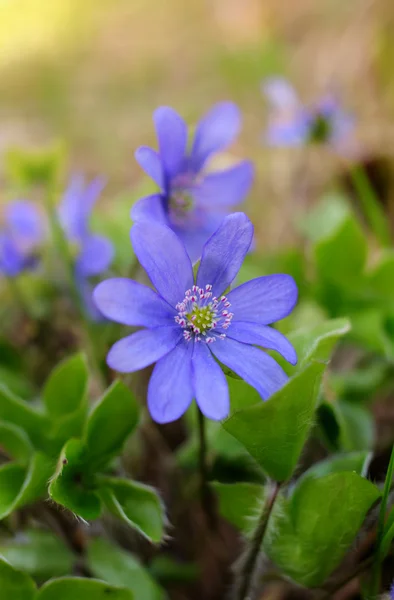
(170, 390)
(262, 335)
(164, 258)
(150, 161)
(131, 303)
(12, 261)
(77, 204)
(143, 348)
(195, 233)
(280, 93)
(210, 385)
(254, 366)
(264, 300)
(224, 253)
(85, 289)
(215, 131)
(172, 136)
(293, 132)
(225, 188)
(95, 257)
(150, 208)
(24, 224)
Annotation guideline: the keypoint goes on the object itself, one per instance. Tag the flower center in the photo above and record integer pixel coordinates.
(181, 201)
(321, 128)
(202, 317)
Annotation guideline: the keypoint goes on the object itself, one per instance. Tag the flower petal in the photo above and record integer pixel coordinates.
(164, 258)
(196, 232)
(172, 136)
(143, 348)
(150, 208)
(131, 303)
(85, 289)
(170, 390)
(150, 161)
(224, 253)
(264, 300)
(216, 130)
(12, 261)
(262, 335)
(254, 366)
(288, 132)
(95, 257)
(225, 188)
(280, 93)
(210, 385)
(76, 205)
(24, 223)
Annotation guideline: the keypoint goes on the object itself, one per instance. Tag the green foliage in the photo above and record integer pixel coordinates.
(78, 588)
(14, 584)
(274, 432)
(240, 503)
(137, 504)
(39, 553)
(118, 567)
(325, 514)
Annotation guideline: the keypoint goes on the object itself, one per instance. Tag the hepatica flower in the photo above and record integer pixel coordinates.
(94, 253)
(294, 124)
(188, 324)
(191, 200)
(20, 237)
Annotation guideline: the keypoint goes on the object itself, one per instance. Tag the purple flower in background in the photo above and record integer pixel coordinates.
(188, 324)
(192, 201)
(20, 236)
(294, 124)
(94, 252)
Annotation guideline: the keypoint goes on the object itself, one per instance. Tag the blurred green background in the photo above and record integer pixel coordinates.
(91, 73)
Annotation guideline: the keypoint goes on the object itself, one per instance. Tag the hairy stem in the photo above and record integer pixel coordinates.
(247, 568)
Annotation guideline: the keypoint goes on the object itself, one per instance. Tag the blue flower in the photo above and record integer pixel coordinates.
(293, 124)
(192, 201)
(188, 324)
(23, 231)
(94, 252)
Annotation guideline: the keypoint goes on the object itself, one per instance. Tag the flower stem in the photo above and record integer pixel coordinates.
(205, 493)
(375, 581)
(371, 205)
(247, 567)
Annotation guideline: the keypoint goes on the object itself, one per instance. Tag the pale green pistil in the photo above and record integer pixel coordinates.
(201, 318)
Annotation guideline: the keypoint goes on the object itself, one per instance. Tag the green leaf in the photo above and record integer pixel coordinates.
(368, 329)
(15, 443)
(240, 503)
(12, 477)
(274, 432)
(71, 487)
(316, 343)
(356, 462)
(20, 486)
(18, 412)
(118, 567)
(340, 257)
(326, 218)
(356, 425)
(137, 504)
(309, 533)
(110, 423)
(66, 386)
(381, 277)
(14, 584)
(39, 553)
(76, 588)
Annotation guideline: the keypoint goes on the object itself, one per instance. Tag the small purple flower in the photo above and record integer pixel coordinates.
(22, 233)
(192, 201)
(189, 323)
(294, 124)
(94, 252)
